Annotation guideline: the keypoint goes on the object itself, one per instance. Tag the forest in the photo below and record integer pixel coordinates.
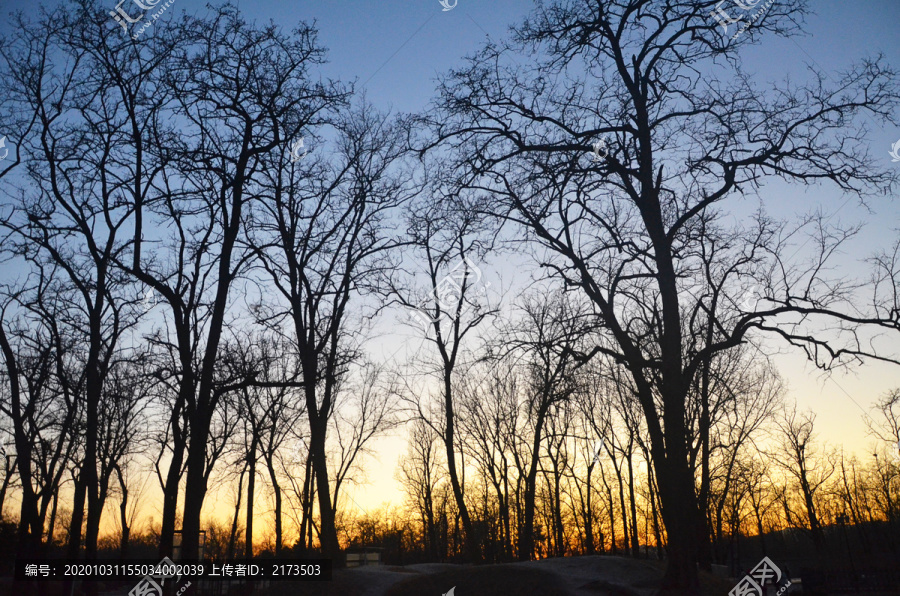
(209, 250)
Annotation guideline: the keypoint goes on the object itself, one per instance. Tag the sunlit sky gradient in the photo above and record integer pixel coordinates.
(394, 50)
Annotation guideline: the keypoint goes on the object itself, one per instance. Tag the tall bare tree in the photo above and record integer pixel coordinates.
(449, 239)
(490, 419)
(419, 473)
(551, 331)
(655, 92)
(322, 234)
(72, 213)
(41, 400)
(810, 469)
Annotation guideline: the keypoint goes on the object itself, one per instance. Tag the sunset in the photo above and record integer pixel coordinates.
(557, 297)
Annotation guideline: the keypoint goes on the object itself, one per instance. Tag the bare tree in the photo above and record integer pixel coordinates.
(255, 82)
(554, 467)
(447, 239)
(122, 420)
(364, 411)
(71, 214)
(87, 156)
(676, 128)
(420, 474)
(809, 468)
(44, 380)
(742, 394)
(885, 426)
(322, 235)
(551, 331)
(490, 413)
(266, 409)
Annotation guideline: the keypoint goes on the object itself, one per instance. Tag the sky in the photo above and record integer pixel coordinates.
(394, 49)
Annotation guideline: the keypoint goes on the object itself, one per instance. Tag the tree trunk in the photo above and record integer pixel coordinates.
(197, 478)
(77, 519)
(279, 538)
(123, 515)
(590, 545)
(557, 511)
(679, 511)
(237, 509)
(276, 488)
(705, 548)
(622, 506)
(506, 522)
(7, 469)
(652, 490)
(251, 494)
(759, 529)
(306, 505)
(51, 527)
(526, 537)
(811, 512)
(612, 512)
(195, 484)
(28, 543)
(635, 543)
(318, 433)
(430, 523)
(470, 547)
(173, 476)
(93, 393)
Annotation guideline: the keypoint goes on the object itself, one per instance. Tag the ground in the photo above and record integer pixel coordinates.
(571, 576)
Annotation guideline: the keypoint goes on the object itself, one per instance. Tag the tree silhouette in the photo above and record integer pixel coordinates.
(684, 130)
